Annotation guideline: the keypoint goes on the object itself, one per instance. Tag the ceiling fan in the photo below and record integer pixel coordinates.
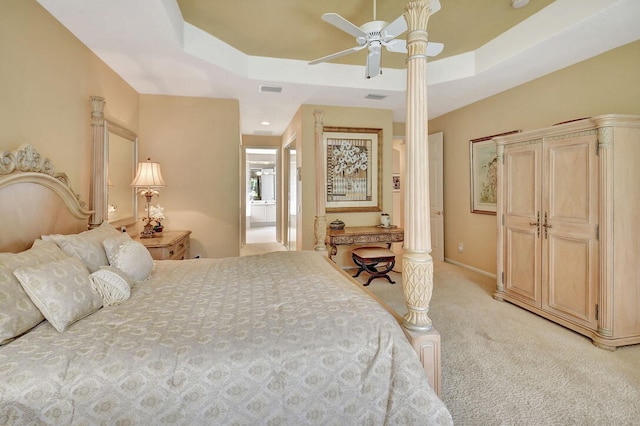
(375, 34)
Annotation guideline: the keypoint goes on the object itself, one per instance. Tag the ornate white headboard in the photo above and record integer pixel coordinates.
(35, 200)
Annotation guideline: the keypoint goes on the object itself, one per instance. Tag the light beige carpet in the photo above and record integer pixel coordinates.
(261, 239)
(503, 365)
(259, 248)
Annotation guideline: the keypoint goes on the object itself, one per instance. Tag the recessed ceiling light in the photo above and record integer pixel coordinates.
(265, 123)
(519, 3)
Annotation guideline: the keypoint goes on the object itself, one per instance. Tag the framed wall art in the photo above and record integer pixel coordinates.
(483, 161)
(353, 163)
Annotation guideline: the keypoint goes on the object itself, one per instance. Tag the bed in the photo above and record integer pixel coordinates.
(203, 341)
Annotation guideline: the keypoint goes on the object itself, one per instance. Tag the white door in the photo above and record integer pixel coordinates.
(292, 204)
(436, 195)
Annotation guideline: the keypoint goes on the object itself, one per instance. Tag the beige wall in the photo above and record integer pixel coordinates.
(609, 83)
(303, 126)
(260, 141)
(197, 143)
(46, 78)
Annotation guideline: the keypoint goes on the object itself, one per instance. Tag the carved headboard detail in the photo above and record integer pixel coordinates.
(35, 199)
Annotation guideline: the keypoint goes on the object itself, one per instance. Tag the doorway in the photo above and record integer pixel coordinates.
(436, 191)
(261, 196)
(436, 194)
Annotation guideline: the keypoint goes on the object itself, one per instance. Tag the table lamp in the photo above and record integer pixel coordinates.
(147, 180)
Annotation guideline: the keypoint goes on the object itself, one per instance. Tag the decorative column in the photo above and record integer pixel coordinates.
(500, 208)
(320, 223)
(97, 193)
(417, 267)
(605, 159)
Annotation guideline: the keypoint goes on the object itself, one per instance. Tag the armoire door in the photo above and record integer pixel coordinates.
(569, 229)
(522, 195)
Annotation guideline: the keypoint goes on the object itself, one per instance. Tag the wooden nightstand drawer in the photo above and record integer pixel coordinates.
(168, 245)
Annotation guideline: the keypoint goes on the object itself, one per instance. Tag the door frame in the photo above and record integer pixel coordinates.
(286, 180)
(244, 194)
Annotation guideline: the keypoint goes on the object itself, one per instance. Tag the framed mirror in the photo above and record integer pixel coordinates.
(121, 159)
(114, 161)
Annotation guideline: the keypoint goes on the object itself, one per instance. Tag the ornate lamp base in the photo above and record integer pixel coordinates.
(148, 231)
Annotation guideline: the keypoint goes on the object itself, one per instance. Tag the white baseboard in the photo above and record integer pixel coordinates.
(462, 265)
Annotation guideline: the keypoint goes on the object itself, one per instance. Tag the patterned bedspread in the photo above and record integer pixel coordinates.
(281, 338)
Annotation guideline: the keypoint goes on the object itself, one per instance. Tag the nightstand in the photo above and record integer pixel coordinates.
(167, 245)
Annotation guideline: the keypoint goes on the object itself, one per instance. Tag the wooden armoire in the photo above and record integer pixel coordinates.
(568, 212)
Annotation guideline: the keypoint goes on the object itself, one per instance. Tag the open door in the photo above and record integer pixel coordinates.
(436, 197)
(436, 190)
(292, 199)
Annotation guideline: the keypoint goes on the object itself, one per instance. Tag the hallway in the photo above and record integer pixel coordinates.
(260, 240)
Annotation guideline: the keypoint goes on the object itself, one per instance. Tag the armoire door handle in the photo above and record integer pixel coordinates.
(546, 226)
(536, 224)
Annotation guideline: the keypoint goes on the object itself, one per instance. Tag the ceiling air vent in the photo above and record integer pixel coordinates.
(270, 89)
(375, 97)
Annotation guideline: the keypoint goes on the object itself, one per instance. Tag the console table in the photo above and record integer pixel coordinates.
(351, 235)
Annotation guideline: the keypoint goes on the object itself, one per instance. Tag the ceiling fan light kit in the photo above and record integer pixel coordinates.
(373, 35)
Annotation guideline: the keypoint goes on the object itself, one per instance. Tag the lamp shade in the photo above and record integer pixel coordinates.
(148, 175)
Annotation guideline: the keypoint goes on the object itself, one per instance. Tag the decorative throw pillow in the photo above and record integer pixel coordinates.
(113, 285)
(18, 314)
(86, 245)
(61, 289)
(129, 256)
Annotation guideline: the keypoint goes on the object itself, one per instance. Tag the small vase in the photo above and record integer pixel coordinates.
(385, 220)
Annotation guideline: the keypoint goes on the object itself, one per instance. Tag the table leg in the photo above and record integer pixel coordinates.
(333, 250)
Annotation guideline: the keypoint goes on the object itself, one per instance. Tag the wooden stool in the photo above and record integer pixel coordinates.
(367, 259)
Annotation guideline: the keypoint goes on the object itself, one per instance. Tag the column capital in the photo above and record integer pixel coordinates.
(97, 110)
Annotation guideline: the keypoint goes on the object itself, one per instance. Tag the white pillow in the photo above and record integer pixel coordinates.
(18, 314)
(61, 289)
(129, 256)
(87, 245)
(113, 285)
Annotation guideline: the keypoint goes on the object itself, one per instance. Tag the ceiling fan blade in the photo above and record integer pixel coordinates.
(341, 23)
(400, 46)
(394, 29)
(434, 49)
(435, 6)
(336, 55)
(373, 63)
(396, 45)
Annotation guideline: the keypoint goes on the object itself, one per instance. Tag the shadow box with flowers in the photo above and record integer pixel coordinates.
(353, 159)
